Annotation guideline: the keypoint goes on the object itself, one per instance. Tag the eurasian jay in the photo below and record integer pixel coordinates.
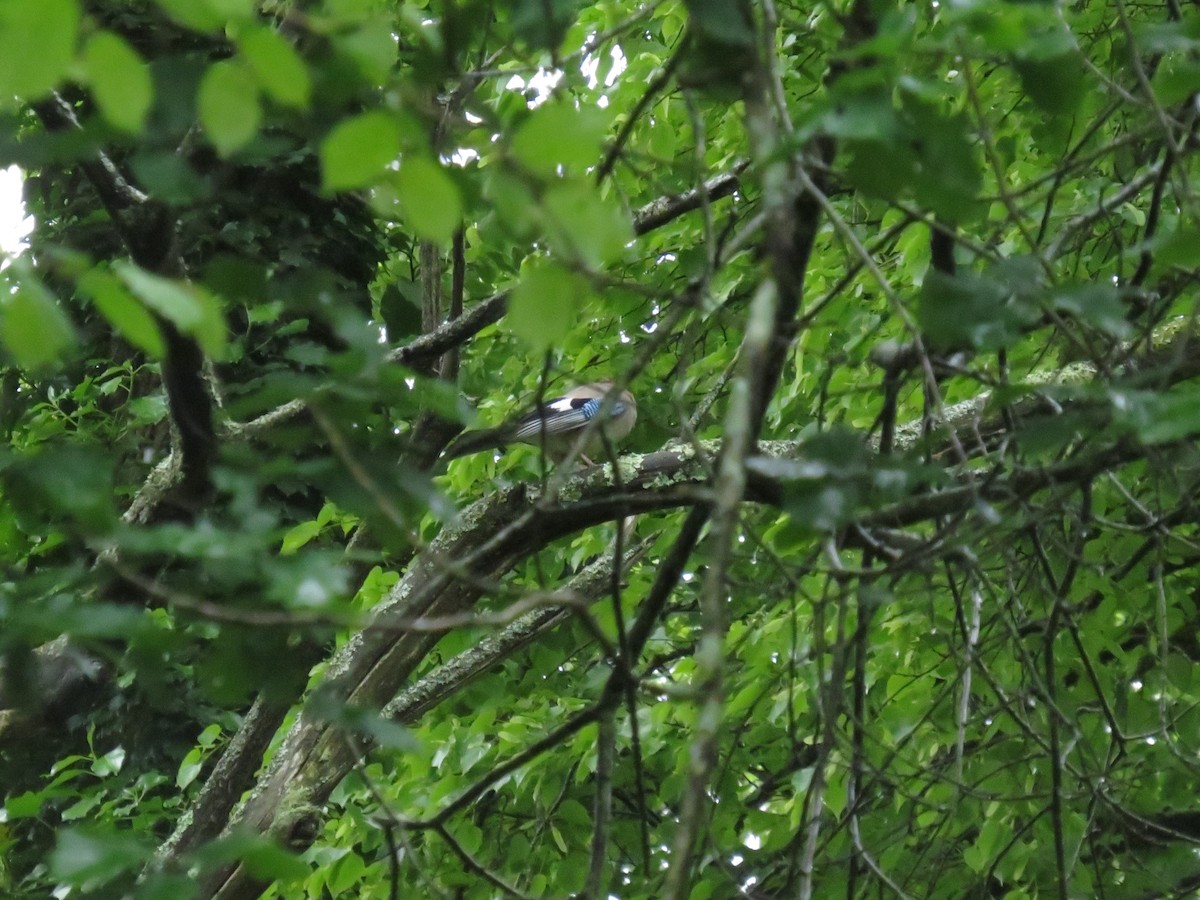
(558, 424)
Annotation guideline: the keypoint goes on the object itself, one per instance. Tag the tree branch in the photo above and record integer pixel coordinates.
(149, 232)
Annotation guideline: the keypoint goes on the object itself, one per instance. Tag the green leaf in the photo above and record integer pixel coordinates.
(1176, 79)
(93, 855)
(1180, 671)
(1179, 247)
(918, 150)
(35, 330)
(280, 71)
(298, 536)
(208, 737)
(345, 874)
(1166, 37)
(986, 312)
(723, 21)
(263, 858)
(879, 168)
(24, 806)
(1097, 304)
(431, 200)
(189, 768)
(862, 115)
(193, 311)
(543, 23)
(545, 303)
(1055, 84)
(1158, 418)
(357, 151)
(95, 510)
(400, 307)
(584, 225)
(37, 46)
(947, 175)
(558, 133)
(148, 410)
(994, 834)
(513, 201)
(109, 764)
(194, 14)
(123, 311)
(824, 487)
(360, 720)
(119, 79)
(712, 61)
(312, 580)
(174, 300)
(269, 862)
(372, 47)
(228, 106)
(73, 481)
(470, 836)
(233, 10)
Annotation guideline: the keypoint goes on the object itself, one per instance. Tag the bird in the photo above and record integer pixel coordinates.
(558, 425)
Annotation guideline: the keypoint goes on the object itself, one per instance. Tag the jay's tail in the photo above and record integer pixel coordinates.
(473, 441)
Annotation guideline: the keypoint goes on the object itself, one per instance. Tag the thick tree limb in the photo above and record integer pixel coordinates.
(497, 532)
(659, 212)
(682, 479)
(374, 663)
(232, 776)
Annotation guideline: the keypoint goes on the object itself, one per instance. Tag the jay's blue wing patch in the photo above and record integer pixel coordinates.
(563, 414)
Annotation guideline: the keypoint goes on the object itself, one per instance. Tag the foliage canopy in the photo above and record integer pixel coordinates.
(892, 593)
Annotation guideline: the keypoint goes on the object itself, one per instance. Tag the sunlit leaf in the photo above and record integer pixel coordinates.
(33, 327)
(189, 768)
(560, 134)
(430, 197)
(371, 45)
(37, 44)
(200, 16)
(228, 106)
(191, 309)
(277, 66)
(544, 304)
(358, 149)
(585, 225)
(124, 311)
(119, 80)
